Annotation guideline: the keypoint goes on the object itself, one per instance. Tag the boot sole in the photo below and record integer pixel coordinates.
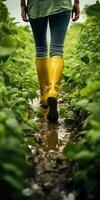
(44, 106)
(53, 112)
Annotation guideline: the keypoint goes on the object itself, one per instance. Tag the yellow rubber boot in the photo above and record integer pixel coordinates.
(42, 64)
(55, 72)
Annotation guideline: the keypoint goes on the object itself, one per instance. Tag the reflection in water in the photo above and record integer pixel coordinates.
(51, 137)
(52, 173)
(53, 134)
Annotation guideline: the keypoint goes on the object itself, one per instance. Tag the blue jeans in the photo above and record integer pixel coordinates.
(58, 24)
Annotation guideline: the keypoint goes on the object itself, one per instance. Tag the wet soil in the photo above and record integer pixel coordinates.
(52, 174)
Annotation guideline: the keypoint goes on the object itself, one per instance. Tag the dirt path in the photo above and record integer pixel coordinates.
(51, 171)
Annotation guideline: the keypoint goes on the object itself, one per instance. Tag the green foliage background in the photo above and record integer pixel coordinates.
(80, 91)
(81, 83)
(17, 88)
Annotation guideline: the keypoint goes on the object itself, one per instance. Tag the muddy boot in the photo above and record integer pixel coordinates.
(43, 77)
(55, 71)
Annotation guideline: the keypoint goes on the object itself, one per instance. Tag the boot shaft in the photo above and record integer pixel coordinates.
(55, 72)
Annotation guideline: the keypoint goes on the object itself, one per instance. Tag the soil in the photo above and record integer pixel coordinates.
(51, 171)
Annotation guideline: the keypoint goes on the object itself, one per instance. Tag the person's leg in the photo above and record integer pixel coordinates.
(58, 26)
(39, 28)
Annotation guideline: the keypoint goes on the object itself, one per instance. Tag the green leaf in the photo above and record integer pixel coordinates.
(6, 51)
(3, 116)
(12, 124)
(80, 176)
(13, 168)
(69, 151)
(84, 155)
(13, 181)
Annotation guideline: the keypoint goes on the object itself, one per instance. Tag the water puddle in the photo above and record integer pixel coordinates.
(51, 169)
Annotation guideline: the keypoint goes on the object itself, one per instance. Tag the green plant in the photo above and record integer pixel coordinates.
(82, 73)
(17, 88)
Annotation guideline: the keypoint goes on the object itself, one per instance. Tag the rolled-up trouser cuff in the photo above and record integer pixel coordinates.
(41, 52)
(56, 49)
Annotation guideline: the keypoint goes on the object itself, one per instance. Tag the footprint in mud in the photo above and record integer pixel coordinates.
(51, 170)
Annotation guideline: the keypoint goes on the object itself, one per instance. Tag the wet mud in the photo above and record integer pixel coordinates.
(52, 174)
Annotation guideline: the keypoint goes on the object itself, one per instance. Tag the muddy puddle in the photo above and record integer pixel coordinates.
(51, 170)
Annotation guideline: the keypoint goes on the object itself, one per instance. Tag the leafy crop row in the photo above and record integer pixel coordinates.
(81, 83)
(17, 87)
(81, 86)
